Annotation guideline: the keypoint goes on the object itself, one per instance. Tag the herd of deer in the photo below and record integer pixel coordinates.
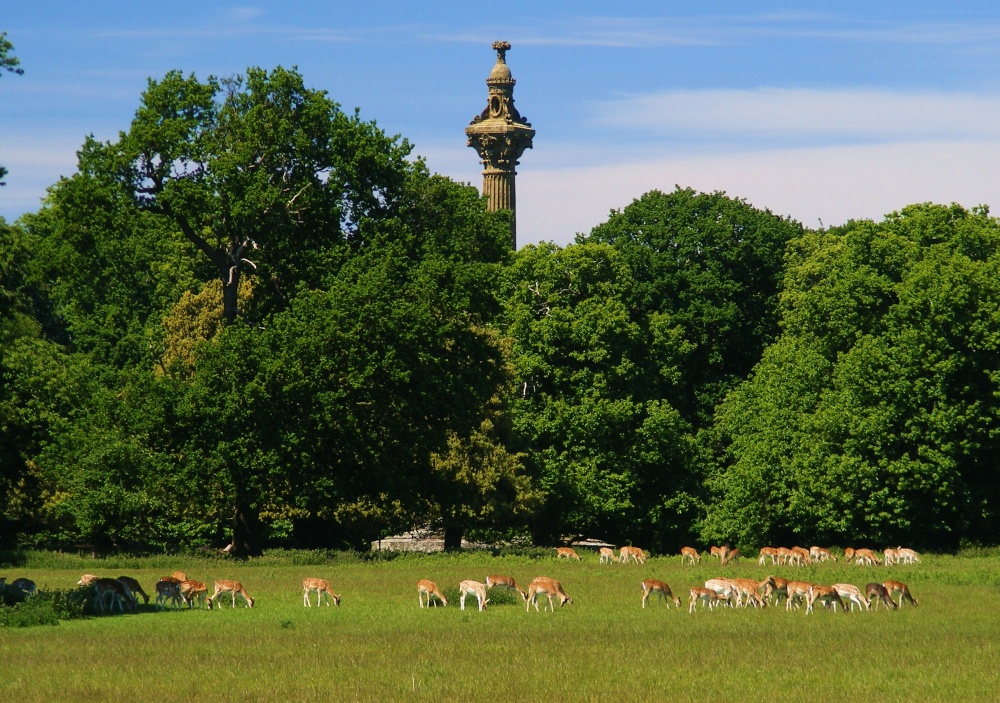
(625, 554)
(541, 586)
(746, 592)
(177, 589)
(796, 556)
(732, 592)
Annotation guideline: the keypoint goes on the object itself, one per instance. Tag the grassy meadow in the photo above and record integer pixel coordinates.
(379, 646)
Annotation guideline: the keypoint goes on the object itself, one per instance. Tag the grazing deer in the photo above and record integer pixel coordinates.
(715, 552)
(908, 556)
(796, 591)
(114, 592)
(848, 555)
(320, 587)
(634, 553)
(824, 594)
(748, 592)
(768, 553)
(567, 552)
(608, 556)
(690, 555)
(899, 587)
(784, 555)
(545, 586)
(729, 556)
(890, 556)
(190, 591)
(851, 593)
(134, 586)
(800, 555)
(507, 582)
(881, 594)
(866, 556)
(661, 589)
(232, 588)
(429, 589)
(724, 587)
(775, 586)
(168, 588)
(821, 554)
(475, 588)
(708, 598)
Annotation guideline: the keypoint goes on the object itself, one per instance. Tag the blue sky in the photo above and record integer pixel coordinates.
(822, 111)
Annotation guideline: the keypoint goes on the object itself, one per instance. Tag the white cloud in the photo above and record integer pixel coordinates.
(34, 163)
(245, 14)
(832, 184)
(854, 113)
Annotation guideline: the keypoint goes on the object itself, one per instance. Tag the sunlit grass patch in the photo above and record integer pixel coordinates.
(379, 645)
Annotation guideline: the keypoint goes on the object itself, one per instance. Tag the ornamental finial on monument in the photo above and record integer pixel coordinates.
(501, 47)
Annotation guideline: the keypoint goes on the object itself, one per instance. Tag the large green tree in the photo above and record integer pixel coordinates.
(874, 416)
(712, 265)
(317, 395)
(338, 403)
(624, 344)
(607, 456)
(16, 324)
(261, 174)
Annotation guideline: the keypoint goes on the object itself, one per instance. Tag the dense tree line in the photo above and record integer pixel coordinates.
(252, 317)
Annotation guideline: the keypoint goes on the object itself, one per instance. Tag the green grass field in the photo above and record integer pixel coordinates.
(379, 646)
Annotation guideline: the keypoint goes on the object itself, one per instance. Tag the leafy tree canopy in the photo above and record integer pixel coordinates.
(713, 264)
(873, 416)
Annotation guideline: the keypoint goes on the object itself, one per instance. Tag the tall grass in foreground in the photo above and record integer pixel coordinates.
(379, 646)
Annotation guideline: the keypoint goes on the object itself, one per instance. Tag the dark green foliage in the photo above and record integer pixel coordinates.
(711, 265)
(358, 353)
(874, 416)
(109, 270)
(605, 453)
(693, 364)
(623, 345)
(42, 608)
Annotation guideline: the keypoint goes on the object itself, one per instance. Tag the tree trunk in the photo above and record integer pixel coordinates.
(453, 537)
(230, 295)
(246, 527)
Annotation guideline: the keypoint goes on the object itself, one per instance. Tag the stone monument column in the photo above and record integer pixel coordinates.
(500, 135)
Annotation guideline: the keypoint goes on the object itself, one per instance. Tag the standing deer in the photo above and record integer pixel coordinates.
(690, 555)
(320, 587)
(429, 589)
(475, 588)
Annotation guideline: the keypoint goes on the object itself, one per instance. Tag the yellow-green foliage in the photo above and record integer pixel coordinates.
(196, 318)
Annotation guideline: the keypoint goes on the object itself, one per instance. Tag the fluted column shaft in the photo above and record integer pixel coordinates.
(498, 187)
